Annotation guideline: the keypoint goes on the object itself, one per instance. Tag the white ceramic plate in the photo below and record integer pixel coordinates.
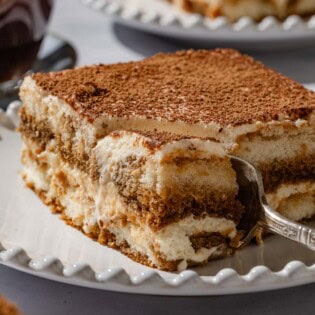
(37, 242)
(160, 17)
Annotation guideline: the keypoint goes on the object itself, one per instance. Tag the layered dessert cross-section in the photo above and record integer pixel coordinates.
(165, 200)
(136, 154)
(256, 9)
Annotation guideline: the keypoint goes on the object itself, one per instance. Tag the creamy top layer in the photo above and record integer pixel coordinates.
(221, 87)
(161, 145)
(158, 150)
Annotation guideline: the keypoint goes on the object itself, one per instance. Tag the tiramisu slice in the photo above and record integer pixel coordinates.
(256, 9)
(135, 154)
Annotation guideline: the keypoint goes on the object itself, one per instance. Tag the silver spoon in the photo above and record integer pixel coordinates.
(258, 214)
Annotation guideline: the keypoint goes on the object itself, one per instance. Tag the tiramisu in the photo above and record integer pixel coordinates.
(256, 9)
(135, 154)
(7, 308)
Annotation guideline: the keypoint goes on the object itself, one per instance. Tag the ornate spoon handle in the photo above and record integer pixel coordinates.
(274, 222)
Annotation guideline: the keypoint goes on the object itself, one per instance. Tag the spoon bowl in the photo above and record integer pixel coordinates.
(258, 214)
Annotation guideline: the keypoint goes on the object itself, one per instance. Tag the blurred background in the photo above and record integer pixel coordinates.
(99, 39)
(80, 32)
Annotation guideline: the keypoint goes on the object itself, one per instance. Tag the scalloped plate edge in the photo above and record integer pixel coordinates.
(133, 10)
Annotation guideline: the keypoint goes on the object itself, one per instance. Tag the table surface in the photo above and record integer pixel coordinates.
(98, 40)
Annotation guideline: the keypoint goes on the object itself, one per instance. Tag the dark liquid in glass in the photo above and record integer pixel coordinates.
(22, 27)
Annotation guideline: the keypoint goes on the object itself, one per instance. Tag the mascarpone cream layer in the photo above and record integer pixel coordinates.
(294, 201)
(171, 241)
(207, 168)
(287, 146)
(229, 136)
(73, 189)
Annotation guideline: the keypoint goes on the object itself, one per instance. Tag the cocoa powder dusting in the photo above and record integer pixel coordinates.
(221, 86)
